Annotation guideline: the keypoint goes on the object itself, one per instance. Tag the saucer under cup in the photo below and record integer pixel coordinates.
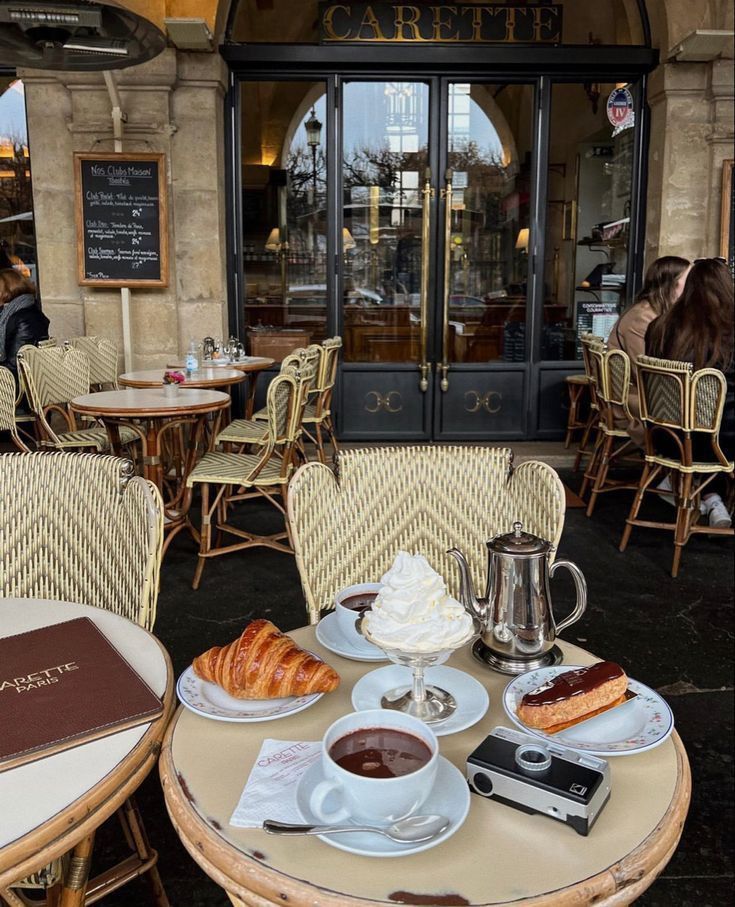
(359, 798)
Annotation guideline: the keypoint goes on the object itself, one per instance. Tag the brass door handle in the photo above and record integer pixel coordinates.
(427, 194)
(447, 194)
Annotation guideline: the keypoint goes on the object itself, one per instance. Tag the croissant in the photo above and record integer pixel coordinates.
(265, 664)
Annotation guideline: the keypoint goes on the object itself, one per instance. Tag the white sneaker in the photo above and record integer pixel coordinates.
(665, 485)
(718, 515)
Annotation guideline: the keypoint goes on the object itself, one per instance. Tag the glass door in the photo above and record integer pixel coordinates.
(436, 187)
(485, 240)
(386, 232)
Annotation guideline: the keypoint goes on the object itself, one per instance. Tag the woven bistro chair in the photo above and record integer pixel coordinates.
(348, 528)
(53, 378)
(611, 369)
(84, 530)
(588, 340)
(48, 344)
(678, 405)
(264, 474)
(102, 356)
(303, 362)
(318, 414)
(8, 401)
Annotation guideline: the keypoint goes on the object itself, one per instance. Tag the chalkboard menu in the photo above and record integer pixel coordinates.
(122, 225)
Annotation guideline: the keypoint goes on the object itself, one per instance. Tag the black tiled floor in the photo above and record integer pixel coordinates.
(674, 635)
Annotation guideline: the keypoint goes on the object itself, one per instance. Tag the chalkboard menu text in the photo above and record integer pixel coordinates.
(122, 225)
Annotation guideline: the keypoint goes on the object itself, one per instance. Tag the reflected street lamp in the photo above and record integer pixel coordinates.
(313, 139)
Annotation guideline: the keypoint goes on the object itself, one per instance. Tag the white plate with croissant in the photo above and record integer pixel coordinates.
(261, 676)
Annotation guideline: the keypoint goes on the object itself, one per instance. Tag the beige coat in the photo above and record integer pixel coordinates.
(629, 335)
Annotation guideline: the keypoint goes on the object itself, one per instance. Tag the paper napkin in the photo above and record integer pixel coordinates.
(270, 791)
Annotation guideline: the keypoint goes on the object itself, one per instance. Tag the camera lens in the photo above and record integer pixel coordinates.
(533, 757)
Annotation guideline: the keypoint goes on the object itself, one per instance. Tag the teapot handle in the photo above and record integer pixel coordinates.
(580, 584)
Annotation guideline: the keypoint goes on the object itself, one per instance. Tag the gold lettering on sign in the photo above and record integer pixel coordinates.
(328, 22)
(439, 23)
(389, 403)
(412, 24)
(476, 21)
(370, 20)
(490, 401)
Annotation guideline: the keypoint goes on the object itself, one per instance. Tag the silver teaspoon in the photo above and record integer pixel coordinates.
(411, 830)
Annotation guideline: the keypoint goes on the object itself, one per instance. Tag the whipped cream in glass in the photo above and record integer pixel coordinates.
(413, 611)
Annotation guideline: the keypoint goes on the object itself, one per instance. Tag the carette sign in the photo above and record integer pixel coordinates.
(470, 23)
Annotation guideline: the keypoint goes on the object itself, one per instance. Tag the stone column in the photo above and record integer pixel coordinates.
(691, 134)
(174, 105)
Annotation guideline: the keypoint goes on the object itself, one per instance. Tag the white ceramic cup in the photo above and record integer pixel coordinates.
(346, 617)
(373, 800)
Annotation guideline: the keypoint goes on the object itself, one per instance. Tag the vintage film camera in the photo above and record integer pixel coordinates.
(537, 776)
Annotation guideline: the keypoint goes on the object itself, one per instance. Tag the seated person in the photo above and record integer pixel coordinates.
(21, 318)
(699, 329)
(662, 286)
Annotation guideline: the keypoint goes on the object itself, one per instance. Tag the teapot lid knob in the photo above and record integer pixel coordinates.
(517, 529)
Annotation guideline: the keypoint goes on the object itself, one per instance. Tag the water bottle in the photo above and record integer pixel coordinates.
(192, 360)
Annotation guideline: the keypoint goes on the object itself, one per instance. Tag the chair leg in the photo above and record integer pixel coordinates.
(205, 540)
(319, 443)
(575, 394)
(635, 506)
(332, 438)
(141, 844)
(593, 465)
(683, 519)
(582, 449)
(602, 470)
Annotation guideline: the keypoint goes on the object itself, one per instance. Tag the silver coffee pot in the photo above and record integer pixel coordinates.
(518, 626)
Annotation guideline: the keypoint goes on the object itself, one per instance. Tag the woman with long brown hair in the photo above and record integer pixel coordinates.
(699, 329)
(662, 286)
(21, 318)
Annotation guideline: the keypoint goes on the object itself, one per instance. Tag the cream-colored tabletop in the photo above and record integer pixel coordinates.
(48, 805)
(203, 377)
(500, 854)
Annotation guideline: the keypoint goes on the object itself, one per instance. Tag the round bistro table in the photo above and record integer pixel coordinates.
(51, 805)
(250, 366)
(201, 378)
(499, 856)
(159, 414)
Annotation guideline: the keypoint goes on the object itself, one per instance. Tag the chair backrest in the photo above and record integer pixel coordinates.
(53, 376)
(7, 407)
(84, 529)
(592, 367)
(50, 343)
(664, 387)
(348, 528)
(677, 401)
(614, 385)
(102, 355)
(328, 363)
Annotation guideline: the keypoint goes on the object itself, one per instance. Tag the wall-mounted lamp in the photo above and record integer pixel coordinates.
(522, 239)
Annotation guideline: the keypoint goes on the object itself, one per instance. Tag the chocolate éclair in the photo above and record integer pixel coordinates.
(572, 695)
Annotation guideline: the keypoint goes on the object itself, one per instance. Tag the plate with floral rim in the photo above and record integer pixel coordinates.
(635, 726)
(211, 701)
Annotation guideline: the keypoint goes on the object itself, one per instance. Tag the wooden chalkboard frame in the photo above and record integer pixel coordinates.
(160, 159)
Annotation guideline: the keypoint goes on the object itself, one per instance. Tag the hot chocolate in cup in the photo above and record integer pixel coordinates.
(350, 603)
(379, 766)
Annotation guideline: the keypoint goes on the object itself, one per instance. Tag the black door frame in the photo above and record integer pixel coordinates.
(541, 65)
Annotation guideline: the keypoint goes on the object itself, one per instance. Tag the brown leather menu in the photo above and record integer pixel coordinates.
(64, 685)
